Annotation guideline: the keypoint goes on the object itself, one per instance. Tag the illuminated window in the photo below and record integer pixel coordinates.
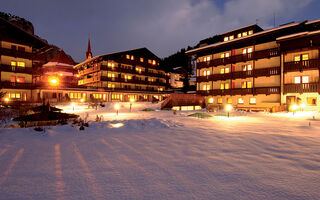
(305, 79)
(128, 56)
(231, 37)
(132, 57)
(222, 86)
(297, 58)
(13, 79)
(297, 79)
(249, 84)
(227, 55)
(153, 62)
(253, 100)
(141, 60)
(208, 58)
(222, 55)
(14, 95)
(312, 101)
(208, 73)
(13, 63)
(149, 61)
(21, 64)
(305, 57)
(239, 35)
(250, 50)
(249, 67)
(226, 39)
(226, 86)
(210, 100)
(244, 34)
(222, 71)
(109, 64)
(247, 50)
(229, 100)
(240, 100)
(244, 85)
(250, 32)
(20, 79)
(204, 87)
(219, 100)
(226, 70)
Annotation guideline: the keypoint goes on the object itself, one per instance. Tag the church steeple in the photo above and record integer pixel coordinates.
(88, 53)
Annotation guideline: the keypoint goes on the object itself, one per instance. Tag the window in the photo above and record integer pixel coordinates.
(141, 60)
(297, 80)
(253, 100)
(225, 55)
(206, 87)
(220, 100)
(249, 84)
(13, 63)
(225, 70)
(297, 58)
(305, 79)
(247, 67)
(246, 84)
(222, 71)
(231, 37)
(312, 101)
(210, 100)
(111, 85)
(239, 35)
(301, 79)
(206, 73)
(207, 59)
(128, 56)
(226, 86)
(222, 86)
(240, 100)
(21, 64)
(20, 79)
(13, 79)
(149, 61)
(305, 57)
(247, 50)
(14, 95)
(75, 95)
(229, 100)
(250, 32)
(153, 62)
(132, 57)
(226, 39)
(244, 34)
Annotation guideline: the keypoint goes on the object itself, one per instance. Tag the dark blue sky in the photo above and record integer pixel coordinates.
(163, 26)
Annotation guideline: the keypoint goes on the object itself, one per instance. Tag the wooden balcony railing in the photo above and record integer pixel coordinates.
(302, 65)
(240, 74)
(133, 81)
(16, 85)
(16, 54)
(240, 58)
(9, 68)
(241, 91)
(301, 88)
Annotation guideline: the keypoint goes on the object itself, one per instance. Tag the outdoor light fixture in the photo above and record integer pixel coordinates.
(210, 100)
(117, 108)
(7, 99)
(54, 81)
(228, 108)
(131, 101)
(82, 100)
(73, 104)
(302, 106)
(294, 107)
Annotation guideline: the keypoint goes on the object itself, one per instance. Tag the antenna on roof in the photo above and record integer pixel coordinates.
(274, 19)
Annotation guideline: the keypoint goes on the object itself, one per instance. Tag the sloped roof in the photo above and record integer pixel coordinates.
(62, 57)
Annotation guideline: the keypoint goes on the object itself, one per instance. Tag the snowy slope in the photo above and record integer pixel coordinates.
(159, 155)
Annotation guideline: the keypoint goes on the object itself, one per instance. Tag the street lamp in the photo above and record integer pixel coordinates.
(7, 100)
(53, 81)
(117, 108)
(131, 102)
(73, 104)
(294, 107)
(228, 108)
(302, 106)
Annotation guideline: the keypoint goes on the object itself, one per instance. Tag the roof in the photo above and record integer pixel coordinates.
(242, 28)
(298, 35)
(61, 58)
(242, 38)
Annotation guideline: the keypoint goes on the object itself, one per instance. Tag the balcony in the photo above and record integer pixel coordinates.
(16, 85)
(16, 54)
(133, 81)
(241, 91)
(302, 65)
(241, 74)
(268, 53)
(301, 88)
(15, 69)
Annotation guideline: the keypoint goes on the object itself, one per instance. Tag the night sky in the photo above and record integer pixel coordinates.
(163, 26)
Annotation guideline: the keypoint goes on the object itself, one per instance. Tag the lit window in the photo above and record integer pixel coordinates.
(21, 64)
(128, 56)
(141, 60)
(297, 79)
(229, 100)
(249, 84)
(305, 79)
(240, 100)
(312, 101)
(208, 73)
(208, 58)
(231, 37)
(244, 85)
(305, 57)
(222, 86)
(20, 79)
(249, 67)
(13, 63)
(208, 87)
(244, 34)
(13, 79)
(204, 87)
(132, 57)
(250, 50)
(226, 86)
(210, 100)
(227, 55)
(253, 100)
(149, 61)
(222, 55)
(239, 35)
(297, 58)
(225, 39)
(219, 100)
(244, 51)
(250, 32)
(222, 71)
(153, 62)
(226, 70)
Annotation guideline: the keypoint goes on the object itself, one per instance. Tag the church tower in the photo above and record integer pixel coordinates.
(88, 53)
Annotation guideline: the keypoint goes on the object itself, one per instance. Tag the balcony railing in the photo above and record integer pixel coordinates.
(240, 74)
(15, 53)
(9, 68)
(302, 65)
(240, 58)
(16, 85)
(241, 91)
(301, 88)
(133, 81)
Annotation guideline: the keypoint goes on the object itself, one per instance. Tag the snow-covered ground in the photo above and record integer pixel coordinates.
(159, 155)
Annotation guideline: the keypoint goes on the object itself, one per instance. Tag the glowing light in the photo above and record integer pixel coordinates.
(116, 125)
(73, 104)
(228, 108)
(82, 100)
(6, 99)
(210, 100)
(116, 106)
(54, 81)
(132, 100)
(294, 107)
(60, 74)
(303, 106)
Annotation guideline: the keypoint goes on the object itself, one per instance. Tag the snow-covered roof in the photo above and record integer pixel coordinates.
(56, 64)
(296, 35)
(241, 38)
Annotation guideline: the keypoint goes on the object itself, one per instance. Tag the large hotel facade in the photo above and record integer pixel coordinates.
(256, 69)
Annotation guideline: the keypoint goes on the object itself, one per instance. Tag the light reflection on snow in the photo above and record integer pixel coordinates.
(116, 125)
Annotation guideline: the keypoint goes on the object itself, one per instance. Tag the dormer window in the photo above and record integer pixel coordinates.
(250, 32)
(128, 56)
(239, 35)
(227, 38)
(132, 57)
(244, 34)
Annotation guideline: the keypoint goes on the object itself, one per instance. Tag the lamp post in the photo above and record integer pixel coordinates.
(73, 104)
(117, 108)
(294, 107)
(302, 106)
(228, 108)
(131, 102)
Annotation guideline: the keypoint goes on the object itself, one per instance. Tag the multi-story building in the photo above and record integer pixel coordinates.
(255, 69)
(122, 76)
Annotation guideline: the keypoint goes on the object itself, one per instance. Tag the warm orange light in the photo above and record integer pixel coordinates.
(60, 74)
(132, 100)
(7, 99)
(54, 81)
(117, 106)
(228, 108)
(82, 100)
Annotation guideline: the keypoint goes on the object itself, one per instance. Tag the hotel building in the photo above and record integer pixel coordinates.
(126, 75)
(256, 69)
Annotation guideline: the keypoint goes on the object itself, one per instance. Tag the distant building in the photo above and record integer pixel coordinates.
(258, 69)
